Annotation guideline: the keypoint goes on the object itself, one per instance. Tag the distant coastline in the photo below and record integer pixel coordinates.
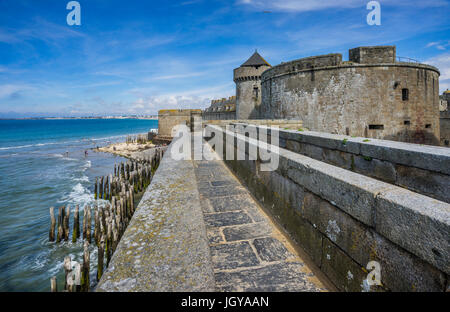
(150, 117)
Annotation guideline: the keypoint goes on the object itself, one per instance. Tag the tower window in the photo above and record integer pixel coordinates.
(407, 122)
(428, 126)
(405, 94)
(255, 92)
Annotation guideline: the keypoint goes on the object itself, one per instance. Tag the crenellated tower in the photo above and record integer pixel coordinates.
(248, 85)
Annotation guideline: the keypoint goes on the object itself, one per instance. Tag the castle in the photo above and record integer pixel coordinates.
(373, 95)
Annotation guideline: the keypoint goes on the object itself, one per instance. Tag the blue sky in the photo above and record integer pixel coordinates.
(136, 57)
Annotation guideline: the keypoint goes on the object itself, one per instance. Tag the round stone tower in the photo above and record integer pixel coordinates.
(248, 86)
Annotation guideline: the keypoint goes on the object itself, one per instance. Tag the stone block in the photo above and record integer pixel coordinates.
(425, 182)
(374, 168)
(417, 223)
(352, 192)
(247, 231)
(275, 278)
(414, 155)
(226, 218)
(344, 273)
(233, 255)
(270, 249)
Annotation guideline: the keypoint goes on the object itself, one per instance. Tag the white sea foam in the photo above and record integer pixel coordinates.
(78, 196)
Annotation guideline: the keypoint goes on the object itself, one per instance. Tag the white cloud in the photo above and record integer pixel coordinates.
(316, 5)
(442, 62)
(8, 90)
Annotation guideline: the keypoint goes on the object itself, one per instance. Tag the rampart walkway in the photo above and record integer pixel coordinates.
(198, 229)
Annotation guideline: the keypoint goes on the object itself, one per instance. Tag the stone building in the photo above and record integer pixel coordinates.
(223, 109)
(445, 118)
(372, 95)
(169, 119)
(248, 86)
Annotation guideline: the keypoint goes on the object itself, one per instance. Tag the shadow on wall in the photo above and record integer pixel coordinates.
(416, 136)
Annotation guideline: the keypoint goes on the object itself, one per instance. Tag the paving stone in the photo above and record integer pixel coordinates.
(227, 218)
(220, 191)
(275, 277)
(231, 203)
(270, 249)
(232, 256)
(224, 183)
(247, 231)
(214, 236)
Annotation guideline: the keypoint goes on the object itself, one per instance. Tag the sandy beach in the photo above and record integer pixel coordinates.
(125, 149)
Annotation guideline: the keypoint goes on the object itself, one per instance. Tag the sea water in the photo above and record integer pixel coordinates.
(43, 164)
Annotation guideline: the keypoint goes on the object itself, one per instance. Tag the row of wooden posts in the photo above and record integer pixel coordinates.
(110, 221)
(140, 139)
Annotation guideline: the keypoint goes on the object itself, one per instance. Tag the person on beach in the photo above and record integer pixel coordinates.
(85, 153)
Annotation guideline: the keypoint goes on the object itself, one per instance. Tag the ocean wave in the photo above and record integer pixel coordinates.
(79, 195)
(82, 179)
(73, 141)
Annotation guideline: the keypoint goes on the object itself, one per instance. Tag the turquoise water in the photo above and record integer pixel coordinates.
(43, 164)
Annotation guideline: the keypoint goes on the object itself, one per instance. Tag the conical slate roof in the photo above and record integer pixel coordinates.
(255, 60)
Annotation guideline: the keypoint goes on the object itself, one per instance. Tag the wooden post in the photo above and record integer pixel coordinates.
(96, 226)
(76, 224)
(53, 284)
(77, 280)
(67, 271)
(96, 188)
(85, 270)
(105, 190)
(101, 255)
(84, 221)
(88, 224)
(51, 235)
(100, 188)
(66, 223)
(115, 236)
(109, 243)
(60, 234)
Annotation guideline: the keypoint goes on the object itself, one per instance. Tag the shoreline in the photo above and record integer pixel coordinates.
(124, 149)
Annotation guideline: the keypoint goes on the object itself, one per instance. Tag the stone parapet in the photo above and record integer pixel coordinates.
(344, 220)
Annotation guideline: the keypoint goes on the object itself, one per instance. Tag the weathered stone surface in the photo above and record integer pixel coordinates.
(270, 249)
(227, 218)
(346, 274)
(374, 168)
(400, 270)
(275, 277)
(352, 192)
(247, 231)
(165, 247)
(426, 182)
(414, 155)
(233, 255)
(230, 203)
(218, 191)
(214, 235)
(417, 223)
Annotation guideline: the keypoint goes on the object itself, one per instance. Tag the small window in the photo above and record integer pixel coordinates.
(376, 127)
(255, 92)
(405, 94)
(407, 122)
(428, 126)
